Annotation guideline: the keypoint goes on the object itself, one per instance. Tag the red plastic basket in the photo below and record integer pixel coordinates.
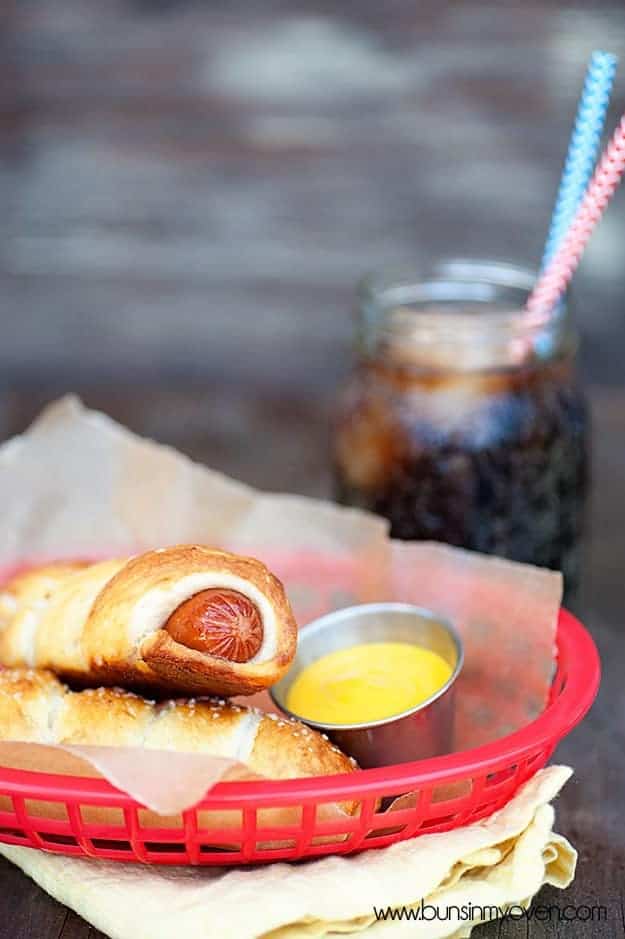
(448, 791)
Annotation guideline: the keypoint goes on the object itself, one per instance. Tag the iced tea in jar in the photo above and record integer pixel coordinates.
(463, 420)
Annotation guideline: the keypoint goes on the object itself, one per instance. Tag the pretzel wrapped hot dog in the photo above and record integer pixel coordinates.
(35, 707)
(185, 619)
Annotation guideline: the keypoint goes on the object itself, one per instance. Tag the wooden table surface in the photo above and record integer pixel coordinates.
(190, 192)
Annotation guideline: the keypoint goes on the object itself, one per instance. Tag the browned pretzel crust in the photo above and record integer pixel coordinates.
(108, 623)
(35, 707)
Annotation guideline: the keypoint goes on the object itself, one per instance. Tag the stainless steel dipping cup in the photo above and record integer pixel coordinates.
(423, 731)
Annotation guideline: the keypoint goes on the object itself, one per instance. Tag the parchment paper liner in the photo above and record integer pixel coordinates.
(78, 484)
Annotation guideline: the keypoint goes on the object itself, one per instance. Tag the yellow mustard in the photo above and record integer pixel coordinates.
(367, 682)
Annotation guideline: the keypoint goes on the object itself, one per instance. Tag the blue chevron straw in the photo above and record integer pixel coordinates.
(583, 147)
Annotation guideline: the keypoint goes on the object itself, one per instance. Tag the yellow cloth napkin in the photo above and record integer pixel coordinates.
(501, 861)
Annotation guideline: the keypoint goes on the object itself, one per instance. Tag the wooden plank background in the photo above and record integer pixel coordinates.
(191, 190)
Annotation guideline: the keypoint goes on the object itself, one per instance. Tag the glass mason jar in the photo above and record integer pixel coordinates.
(463, 420)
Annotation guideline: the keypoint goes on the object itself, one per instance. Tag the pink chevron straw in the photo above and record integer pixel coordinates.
(552, 284)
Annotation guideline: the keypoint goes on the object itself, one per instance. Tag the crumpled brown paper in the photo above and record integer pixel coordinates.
(77, 484)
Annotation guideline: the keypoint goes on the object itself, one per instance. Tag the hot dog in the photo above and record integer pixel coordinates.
(185, 619)
(220, 622)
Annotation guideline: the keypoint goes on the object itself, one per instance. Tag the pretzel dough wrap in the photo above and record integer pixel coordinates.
(35, 707)
(186, 619)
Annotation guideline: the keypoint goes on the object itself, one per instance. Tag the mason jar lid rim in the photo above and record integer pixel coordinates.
(392, 289)
(496, 273)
